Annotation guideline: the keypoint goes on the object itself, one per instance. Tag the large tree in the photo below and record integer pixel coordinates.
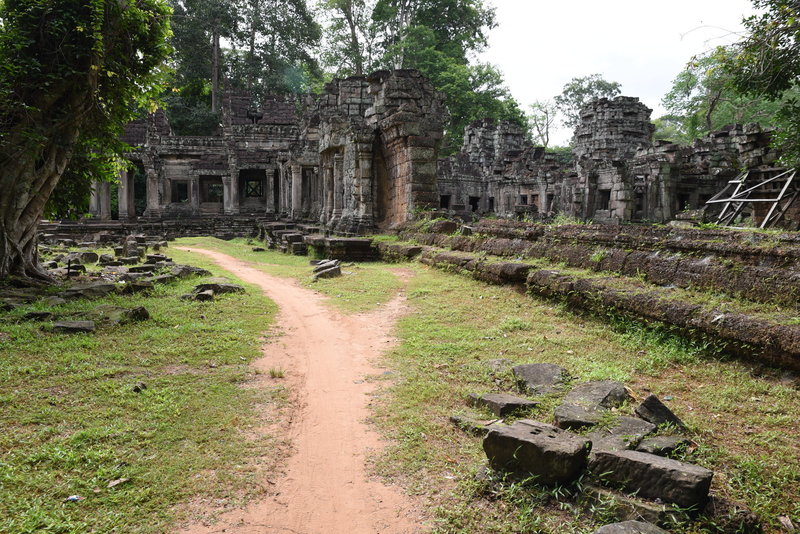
(767, 64)
(73, 73)
(704, 98)
(579, 92)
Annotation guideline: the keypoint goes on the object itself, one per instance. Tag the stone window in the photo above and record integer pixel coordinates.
(474, 202)
(491, 203)
(684, 201)
(180, 191)
(253, 188)
(535, 200)
(550, 199)
(252, 183)
(603, 199)
(444, 202)
(523, 200)
(211, 189)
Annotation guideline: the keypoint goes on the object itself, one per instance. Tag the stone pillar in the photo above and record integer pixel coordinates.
(94, 200)
(127, 208)
(227, 196)
(338, 186)
(231, 196)
(270, 191)
(297, 192)
(194, 194)
(153, 206)
(104, 200)
(327, 192)
(364, 208)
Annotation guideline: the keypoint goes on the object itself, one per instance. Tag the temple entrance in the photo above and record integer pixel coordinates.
(253, 190)
(211, 194)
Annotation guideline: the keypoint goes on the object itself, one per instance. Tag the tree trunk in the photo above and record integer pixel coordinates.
(349, 16)
(215, 69)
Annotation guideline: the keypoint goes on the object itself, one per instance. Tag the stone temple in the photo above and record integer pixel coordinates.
(365, 155)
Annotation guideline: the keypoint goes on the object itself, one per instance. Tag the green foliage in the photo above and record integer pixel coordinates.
(767, 64)
(579, 92)
(73, 73)
(703, 99)
(350, 37)
(541, 117)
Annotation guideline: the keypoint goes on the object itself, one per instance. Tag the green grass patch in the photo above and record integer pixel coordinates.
(458, 325)
(362, 286)
(71, 422)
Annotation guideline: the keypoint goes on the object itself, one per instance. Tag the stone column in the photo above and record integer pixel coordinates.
(338, 186)
(127, 208)
(270, 191)
(227, 195)
(327, 192)
(364, 208)
(94, 200)
(194, 194)
(297, 192)
(104, 194)
(153, 206)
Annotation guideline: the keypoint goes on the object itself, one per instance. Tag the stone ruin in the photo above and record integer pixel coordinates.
(364, 155)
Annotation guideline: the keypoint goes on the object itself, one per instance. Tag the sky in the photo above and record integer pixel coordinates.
(540, 45)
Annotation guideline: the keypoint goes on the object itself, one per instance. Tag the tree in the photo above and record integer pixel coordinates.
(703, 98)
(766, 63)
(541, 118)
(73, 73)
(437, 38)
(350, 36)
(579, 92)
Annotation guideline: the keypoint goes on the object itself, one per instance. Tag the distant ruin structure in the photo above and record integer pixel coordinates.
(364, 156)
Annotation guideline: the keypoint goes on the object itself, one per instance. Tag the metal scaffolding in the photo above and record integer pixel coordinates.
(775, 187)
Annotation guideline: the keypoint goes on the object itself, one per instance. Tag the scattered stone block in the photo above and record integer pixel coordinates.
(91, 290)
(662, 445)
(444, 227)
(50, 265)
(574, 417)
(145, 268)
(630, 527)
(218, 288)
(259, 249)
(137, 286)
(553, 455)
(584, 405)
(539, 378)
(331, 272)
(184, 271)
(653, 410)
(162, 278)
(204, 296)
(54, 301)
(500, 404)
(73, 327)
(129, 260)
(626, 434)
(105, 259)
(38, 316)
(654, 477)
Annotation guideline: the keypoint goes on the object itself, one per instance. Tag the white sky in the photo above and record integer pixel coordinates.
(540, 45)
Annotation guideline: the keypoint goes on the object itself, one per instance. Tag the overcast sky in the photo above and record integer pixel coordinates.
(540, 45)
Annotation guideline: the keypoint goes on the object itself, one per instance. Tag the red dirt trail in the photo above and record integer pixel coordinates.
(325, 356)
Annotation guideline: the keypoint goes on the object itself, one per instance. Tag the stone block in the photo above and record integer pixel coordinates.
(653, 410)
(552, 455)
(662, 445)
(598, 394)
(627, 433)
(630, 527)
(539, 378)
(73, 327)
(500, 404)
(654, 477)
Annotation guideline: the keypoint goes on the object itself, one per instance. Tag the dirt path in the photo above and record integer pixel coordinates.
(326, 356)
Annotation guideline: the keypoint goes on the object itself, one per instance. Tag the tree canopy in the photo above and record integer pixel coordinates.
(73, 73)
(580, 91)
(766, 64)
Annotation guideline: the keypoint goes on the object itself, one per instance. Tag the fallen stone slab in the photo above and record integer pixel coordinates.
(144, 268)
(203, 296)
(116, 315)
(630, 527)
(138, 286)
(500, 404)
(552, 455)
(162, 278)
(129, 260)
(574, 417)
(653, 410)
(598, 394)
(662, 445)
(37, 316)
(654, 477)
(323, 265)
(218, 288)
(539, 378)
(185, 271)
(331, 272)
(73, 327)
(627, 433)
(91, 290)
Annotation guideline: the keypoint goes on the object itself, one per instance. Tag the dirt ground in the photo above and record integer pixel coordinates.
(325, 357)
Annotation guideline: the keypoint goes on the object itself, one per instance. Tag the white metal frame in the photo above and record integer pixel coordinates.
(735, 202)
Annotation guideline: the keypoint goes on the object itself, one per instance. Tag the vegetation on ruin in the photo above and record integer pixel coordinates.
(71, 423)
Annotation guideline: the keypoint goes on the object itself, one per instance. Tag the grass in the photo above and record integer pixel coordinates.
(458, 325)
(70, 421)
(361, 288)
